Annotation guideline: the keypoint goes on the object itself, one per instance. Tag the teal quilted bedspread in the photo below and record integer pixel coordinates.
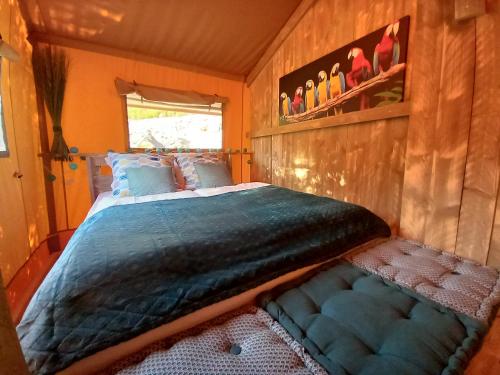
(129, 269)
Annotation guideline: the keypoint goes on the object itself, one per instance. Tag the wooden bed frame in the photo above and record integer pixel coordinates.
(100, 182)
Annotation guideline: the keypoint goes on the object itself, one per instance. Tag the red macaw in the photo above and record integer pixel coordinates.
(298, 101)
(387, 51)
(361, 70)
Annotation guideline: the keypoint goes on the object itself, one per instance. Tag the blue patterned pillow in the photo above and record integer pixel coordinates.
(120, 162)
(186, 162)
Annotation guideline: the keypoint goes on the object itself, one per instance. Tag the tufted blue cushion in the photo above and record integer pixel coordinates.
(353, 322)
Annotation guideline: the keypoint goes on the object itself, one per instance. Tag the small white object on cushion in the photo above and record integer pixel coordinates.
(459, 284)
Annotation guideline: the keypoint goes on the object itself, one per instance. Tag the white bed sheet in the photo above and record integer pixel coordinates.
(106, 199)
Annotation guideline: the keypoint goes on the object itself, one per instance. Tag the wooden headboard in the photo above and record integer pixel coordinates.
(100, 182)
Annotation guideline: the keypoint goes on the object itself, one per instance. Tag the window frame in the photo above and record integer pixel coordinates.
(6, 153)
(135, 149)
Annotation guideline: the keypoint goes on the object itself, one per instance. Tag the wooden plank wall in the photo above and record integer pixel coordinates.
(452, 167)
(439, 124)
(353, 163)
(433, 176)
(479, 225)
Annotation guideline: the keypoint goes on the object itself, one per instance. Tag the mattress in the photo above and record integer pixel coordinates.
(354, 322)
(106, 199)
(132, 268)
(247, 341)
(459, 284)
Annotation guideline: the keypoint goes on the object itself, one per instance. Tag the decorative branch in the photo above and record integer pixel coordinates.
(50, 67)
(355, 91)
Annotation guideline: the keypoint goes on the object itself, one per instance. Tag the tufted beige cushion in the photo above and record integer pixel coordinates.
(244, 342)
(459, 284)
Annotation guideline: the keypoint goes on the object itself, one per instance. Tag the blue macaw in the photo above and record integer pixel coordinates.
(322, 88)
(285, 105)
(311, 97)
(336, 85)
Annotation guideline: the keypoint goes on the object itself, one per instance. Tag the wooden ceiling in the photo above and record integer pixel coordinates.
(227, 36)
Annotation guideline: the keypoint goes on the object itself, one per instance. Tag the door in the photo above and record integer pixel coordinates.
(14, 244)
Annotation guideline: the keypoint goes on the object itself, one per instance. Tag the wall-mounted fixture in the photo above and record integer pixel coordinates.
(7, 51)
(465, 9)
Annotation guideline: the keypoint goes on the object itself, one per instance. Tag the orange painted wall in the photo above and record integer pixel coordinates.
(93, 118)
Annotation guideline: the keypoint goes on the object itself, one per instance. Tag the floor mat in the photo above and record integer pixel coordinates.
(354, 322)
(248, 341)
(459, 284)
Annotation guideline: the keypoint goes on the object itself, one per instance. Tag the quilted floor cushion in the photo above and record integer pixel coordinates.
(244, 342)
(354, 322)
(460, 284)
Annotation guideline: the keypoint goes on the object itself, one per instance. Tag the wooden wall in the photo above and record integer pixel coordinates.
(479, 221)
(432, 175)
(353, 163)
(452, 168)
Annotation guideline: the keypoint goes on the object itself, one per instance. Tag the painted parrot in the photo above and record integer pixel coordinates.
(387, 51)
(311, 95)
(361, 71)
(285, 105)
(298, 101)
(323, 88)
(336, 85)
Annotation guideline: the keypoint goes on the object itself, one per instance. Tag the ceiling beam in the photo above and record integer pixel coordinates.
(62, 41)
(26, 16)
(285, 31)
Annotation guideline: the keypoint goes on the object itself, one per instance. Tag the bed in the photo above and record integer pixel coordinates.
(139, 269)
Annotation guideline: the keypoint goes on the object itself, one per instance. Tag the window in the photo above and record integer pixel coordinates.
(4, 151)
(173, 125)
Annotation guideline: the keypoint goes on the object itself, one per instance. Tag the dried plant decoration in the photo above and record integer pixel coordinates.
(50, 67)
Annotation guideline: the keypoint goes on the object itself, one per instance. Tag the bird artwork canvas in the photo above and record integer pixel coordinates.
(366, 73)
